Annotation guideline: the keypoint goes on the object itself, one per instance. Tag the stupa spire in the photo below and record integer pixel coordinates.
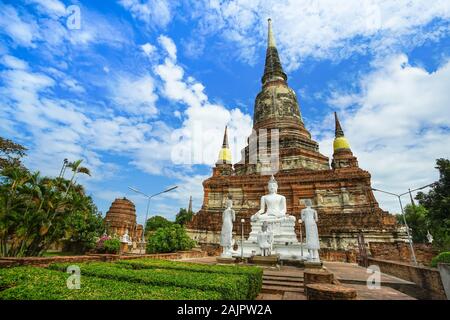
(273, 69)
(225, 152)
(340, 141)
(338, 132)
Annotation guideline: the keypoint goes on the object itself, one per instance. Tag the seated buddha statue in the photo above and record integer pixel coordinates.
(273, 205)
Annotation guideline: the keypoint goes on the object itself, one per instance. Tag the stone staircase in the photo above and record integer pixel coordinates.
(286, 285)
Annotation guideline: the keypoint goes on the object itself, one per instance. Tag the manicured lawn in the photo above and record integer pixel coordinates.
(133, 279)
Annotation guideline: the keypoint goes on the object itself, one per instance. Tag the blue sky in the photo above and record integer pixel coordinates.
(142, 86)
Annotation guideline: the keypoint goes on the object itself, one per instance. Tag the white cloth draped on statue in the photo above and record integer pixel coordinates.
(309, 217)
(226, 235)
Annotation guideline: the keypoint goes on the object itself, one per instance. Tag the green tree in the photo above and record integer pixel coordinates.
(417, 219)
(169, 239)
(437, 202)
(37, 211)
(10, 153)
(183, 216)
(157, 222)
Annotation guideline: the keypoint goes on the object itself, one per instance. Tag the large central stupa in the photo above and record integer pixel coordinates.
(341, 193)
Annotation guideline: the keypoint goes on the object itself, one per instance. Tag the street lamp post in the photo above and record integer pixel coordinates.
(148, 206)
(413, 255)
(242, 240)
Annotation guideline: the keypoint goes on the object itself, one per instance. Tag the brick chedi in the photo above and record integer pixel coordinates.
(122, 216)
(281, 145)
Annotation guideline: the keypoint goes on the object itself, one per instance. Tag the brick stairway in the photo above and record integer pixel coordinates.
(282, 285)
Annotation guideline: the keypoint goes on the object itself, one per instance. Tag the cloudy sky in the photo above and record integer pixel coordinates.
(142, 89)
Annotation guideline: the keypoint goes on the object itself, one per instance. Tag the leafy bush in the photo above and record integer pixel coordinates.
(253, 274)
(443, 257)
(230, 286)
(169, 239)
(111, 245)
(31, 283)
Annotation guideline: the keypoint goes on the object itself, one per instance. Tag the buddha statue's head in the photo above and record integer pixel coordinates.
(264, 226)
(273, 185)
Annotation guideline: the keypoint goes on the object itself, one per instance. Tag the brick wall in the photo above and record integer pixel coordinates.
(400, 251)
(429, 279)
(349, 256)
(45, 261)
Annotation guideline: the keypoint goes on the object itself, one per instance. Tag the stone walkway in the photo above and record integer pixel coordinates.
(286, 283)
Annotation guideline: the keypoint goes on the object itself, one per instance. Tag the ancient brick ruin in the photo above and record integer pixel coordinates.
(341, 191)
(121, 216)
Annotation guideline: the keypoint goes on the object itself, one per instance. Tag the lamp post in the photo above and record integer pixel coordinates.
(242, 240)
(301, 236)
(413, 255)
(148, 206)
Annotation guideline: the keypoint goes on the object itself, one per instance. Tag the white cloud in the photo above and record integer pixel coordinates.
(51, 7)
(20, 31)
(151, 12)
(135, 95)
(13, 62)
(148, 49)
(401, 125)
(169, 46)
(321, 29)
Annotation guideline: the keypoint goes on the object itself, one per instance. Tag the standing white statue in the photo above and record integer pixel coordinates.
(273, 205)
(226, 235)
(310, 218)
(429, 237)
(265, 239)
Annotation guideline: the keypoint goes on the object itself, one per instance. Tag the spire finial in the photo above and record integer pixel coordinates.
(338, 132)
(225, 138)
(270, 37)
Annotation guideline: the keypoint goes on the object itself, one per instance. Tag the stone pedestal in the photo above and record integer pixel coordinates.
(272, 260)
(313, 264)
(285, 242)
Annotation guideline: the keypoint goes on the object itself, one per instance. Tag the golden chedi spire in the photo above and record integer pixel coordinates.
(225, 152)
(340, 141)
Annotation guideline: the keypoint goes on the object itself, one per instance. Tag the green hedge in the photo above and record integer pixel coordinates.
(231, 286)
(31, 283)
(443, 257)
(253, 274)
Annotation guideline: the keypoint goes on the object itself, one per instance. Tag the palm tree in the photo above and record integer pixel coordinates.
(76, 168)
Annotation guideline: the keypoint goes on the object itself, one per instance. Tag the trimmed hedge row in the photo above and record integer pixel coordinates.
(32, 283)
(253, 274)
(231, 286)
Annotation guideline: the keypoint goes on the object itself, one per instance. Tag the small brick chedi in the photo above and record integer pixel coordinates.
(341, 192)
(121, 216)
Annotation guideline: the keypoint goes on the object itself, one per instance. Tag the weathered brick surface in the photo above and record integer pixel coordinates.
(400, 251)
(349, 256)
(428, 279)
(45, 261)
(311, 276)
(326, 291)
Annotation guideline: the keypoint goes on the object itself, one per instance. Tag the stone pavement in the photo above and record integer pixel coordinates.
(286, 283)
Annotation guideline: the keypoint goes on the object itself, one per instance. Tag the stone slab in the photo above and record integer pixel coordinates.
(223, 260)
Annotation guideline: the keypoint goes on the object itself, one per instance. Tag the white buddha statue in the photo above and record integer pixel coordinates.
(273, 205)
(126, 238)
(265, 240)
